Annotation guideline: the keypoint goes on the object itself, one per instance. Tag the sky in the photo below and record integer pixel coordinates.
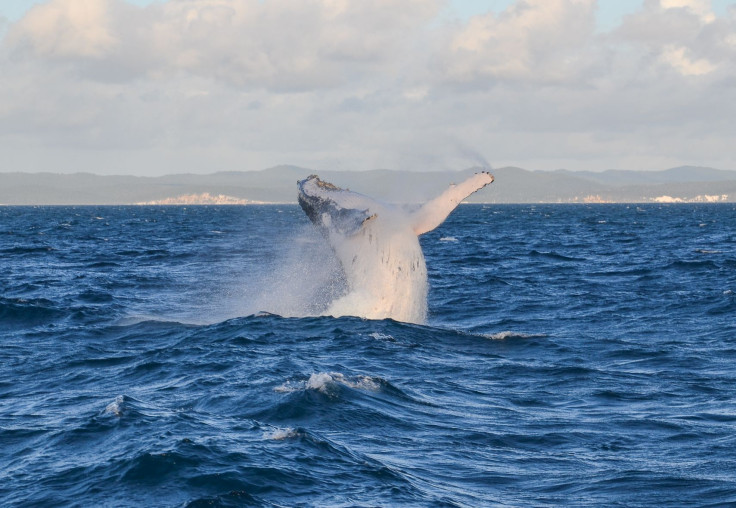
(148, 88)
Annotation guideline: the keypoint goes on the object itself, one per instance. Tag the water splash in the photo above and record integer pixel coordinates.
(305, 278)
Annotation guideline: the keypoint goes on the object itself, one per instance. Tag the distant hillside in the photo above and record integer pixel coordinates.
(278, 184)
(682, 174)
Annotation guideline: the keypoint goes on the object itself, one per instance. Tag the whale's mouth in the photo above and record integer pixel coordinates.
(332, 209)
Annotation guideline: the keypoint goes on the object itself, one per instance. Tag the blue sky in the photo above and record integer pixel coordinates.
(610, 11)
(15, 9)
(609, 15)
(210, 85)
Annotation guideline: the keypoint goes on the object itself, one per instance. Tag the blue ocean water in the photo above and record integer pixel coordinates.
(574, 355)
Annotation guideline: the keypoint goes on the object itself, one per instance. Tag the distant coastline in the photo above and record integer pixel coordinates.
(277, 185)
(204, 198)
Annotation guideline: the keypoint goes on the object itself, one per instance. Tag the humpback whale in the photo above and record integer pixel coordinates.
(378, 246)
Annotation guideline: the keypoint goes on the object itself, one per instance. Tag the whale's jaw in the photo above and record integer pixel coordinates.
(333, 209)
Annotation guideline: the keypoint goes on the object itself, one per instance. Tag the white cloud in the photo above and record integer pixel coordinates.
(277, 44)
(677, 57)
(205, 85)
(684, 34)
(532, 41)
(66, 28)
(700, 7)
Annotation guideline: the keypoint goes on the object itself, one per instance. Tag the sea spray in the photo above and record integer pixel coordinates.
(387, 278)
(303, 280)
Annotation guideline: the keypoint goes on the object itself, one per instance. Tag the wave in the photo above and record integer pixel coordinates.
(554, 256)
(530, 369)
(328, 383)
(724, 308)
(104, 264)
(20, 250)
(279, 434)
(509, 335)
(691, 265)
(18, 313)
(639, 271)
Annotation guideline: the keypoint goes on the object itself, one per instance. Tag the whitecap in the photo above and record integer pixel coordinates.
(382, 336)
(116, 407)
(448, 239)
(281, 434)
(319, 381)
(325, 382)
(288, 387)
(512, 335)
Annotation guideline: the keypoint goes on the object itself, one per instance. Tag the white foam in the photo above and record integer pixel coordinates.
(320, 381)
(326, 382)
(281, 434)
(448, 239)
(116, 407)
(287, 387)
(509, 334)
(382, 336)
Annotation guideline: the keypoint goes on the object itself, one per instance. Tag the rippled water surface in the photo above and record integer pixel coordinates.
(573, 355)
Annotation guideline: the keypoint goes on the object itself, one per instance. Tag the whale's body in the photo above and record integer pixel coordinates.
(378, 246)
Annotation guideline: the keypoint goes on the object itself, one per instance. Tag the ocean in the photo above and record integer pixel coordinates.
(174, 356)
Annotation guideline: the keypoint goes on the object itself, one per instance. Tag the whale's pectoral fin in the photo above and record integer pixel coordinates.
(434, 212)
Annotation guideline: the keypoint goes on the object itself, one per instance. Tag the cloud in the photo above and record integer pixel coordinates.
(679, 59)
(532, 41)
(685, 34)
(204, 85)
(276, 44)
(66, 29)
(701, 8)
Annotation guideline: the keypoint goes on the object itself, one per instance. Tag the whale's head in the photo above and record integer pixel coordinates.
(332, 209)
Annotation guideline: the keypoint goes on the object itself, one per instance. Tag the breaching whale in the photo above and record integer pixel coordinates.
(378, 246)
